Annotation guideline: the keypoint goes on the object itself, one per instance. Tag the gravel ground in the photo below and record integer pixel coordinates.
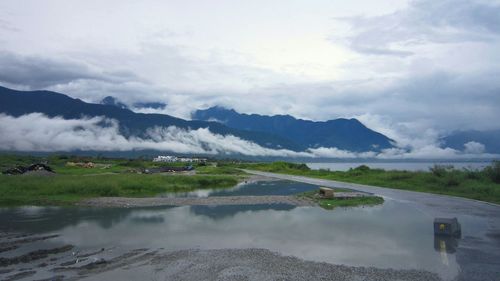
(188, 201)
(249, 265)
(70, 263)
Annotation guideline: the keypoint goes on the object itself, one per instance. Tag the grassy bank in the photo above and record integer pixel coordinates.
(480, 185)
(109, 177)
(67, 189)
(330, 204)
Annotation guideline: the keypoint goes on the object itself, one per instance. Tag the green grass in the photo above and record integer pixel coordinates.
(67, 189)
(71, 184)
(222, 170)
(480, 185)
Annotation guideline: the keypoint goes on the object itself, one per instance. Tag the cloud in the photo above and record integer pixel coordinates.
(333, 152)
(37, 132)
(7, 26)
(423, 67)
(424, 22)
(38, 72)
(381, 51)
(474, 147)
(425, 152)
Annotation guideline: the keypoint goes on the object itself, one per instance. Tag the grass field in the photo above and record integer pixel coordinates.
(481, 185)
(109, 177)
(119, 177)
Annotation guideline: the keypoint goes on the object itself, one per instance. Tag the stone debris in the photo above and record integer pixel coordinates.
(19, 170)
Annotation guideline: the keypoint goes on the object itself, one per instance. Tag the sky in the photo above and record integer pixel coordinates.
(413, 70)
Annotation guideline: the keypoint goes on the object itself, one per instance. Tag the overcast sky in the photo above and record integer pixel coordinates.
(410, 69)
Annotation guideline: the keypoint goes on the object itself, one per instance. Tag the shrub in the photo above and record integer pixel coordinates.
(440, 170)
(279, 165)
(108, 191)
(362, 168)
(493, 171)
(296, 166)
(400, 176)
(452, 181)
(133, 163)
(472, 174)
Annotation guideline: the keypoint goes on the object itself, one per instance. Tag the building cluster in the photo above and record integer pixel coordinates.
(170, 159)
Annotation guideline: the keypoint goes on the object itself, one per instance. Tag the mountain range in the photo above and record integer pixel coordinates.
(346, 134)
(109, 100)
(52, 104)
(490, 139)
(277, 132)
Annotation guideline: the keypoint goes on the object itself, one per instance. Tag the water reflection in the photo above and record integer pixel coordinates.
(50, 219)
(221, 212)
(445, 244)
(257, 188)
(387, 236)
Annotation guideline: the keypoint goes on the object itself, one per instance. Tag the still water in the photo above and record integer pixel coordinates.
(252, 188)
(392, 235)
(407, 166)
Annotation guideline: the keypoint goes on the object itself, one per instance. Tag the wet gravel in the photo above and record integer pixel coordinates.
(253, 265)
(68, 263)
(189, 201)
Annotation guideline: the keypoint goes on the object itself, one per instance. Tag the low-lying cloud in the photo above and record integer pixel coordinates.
(37, 132)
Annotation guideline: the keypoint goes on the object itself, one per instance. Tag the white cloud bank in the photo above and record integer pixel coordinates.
(37, 132)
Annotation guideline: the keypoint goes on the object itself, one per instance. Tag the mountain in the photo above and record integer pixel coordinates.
(347, 134)
(282, 131)
(153, 105)
(109, 100)
(17, 103)
(490, 140)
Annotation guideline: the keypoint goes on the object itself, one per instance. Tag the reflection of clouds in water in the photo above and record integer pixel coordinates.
(224, 211)
(202, 193)
(34, 211)
(147, 217)
(383, 236)
(281, 187)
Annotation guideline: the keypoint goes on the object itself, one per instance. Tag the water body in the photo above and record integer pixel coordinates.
(400, 166)
(253, 188)
(392, 235)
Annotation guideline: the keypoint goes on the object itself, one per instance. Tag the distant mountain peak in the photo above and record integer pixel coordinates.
(110, 100)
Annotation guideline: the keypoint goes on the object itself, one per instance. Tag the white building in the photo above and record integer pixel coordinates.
(167, 158)
(171, 159)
